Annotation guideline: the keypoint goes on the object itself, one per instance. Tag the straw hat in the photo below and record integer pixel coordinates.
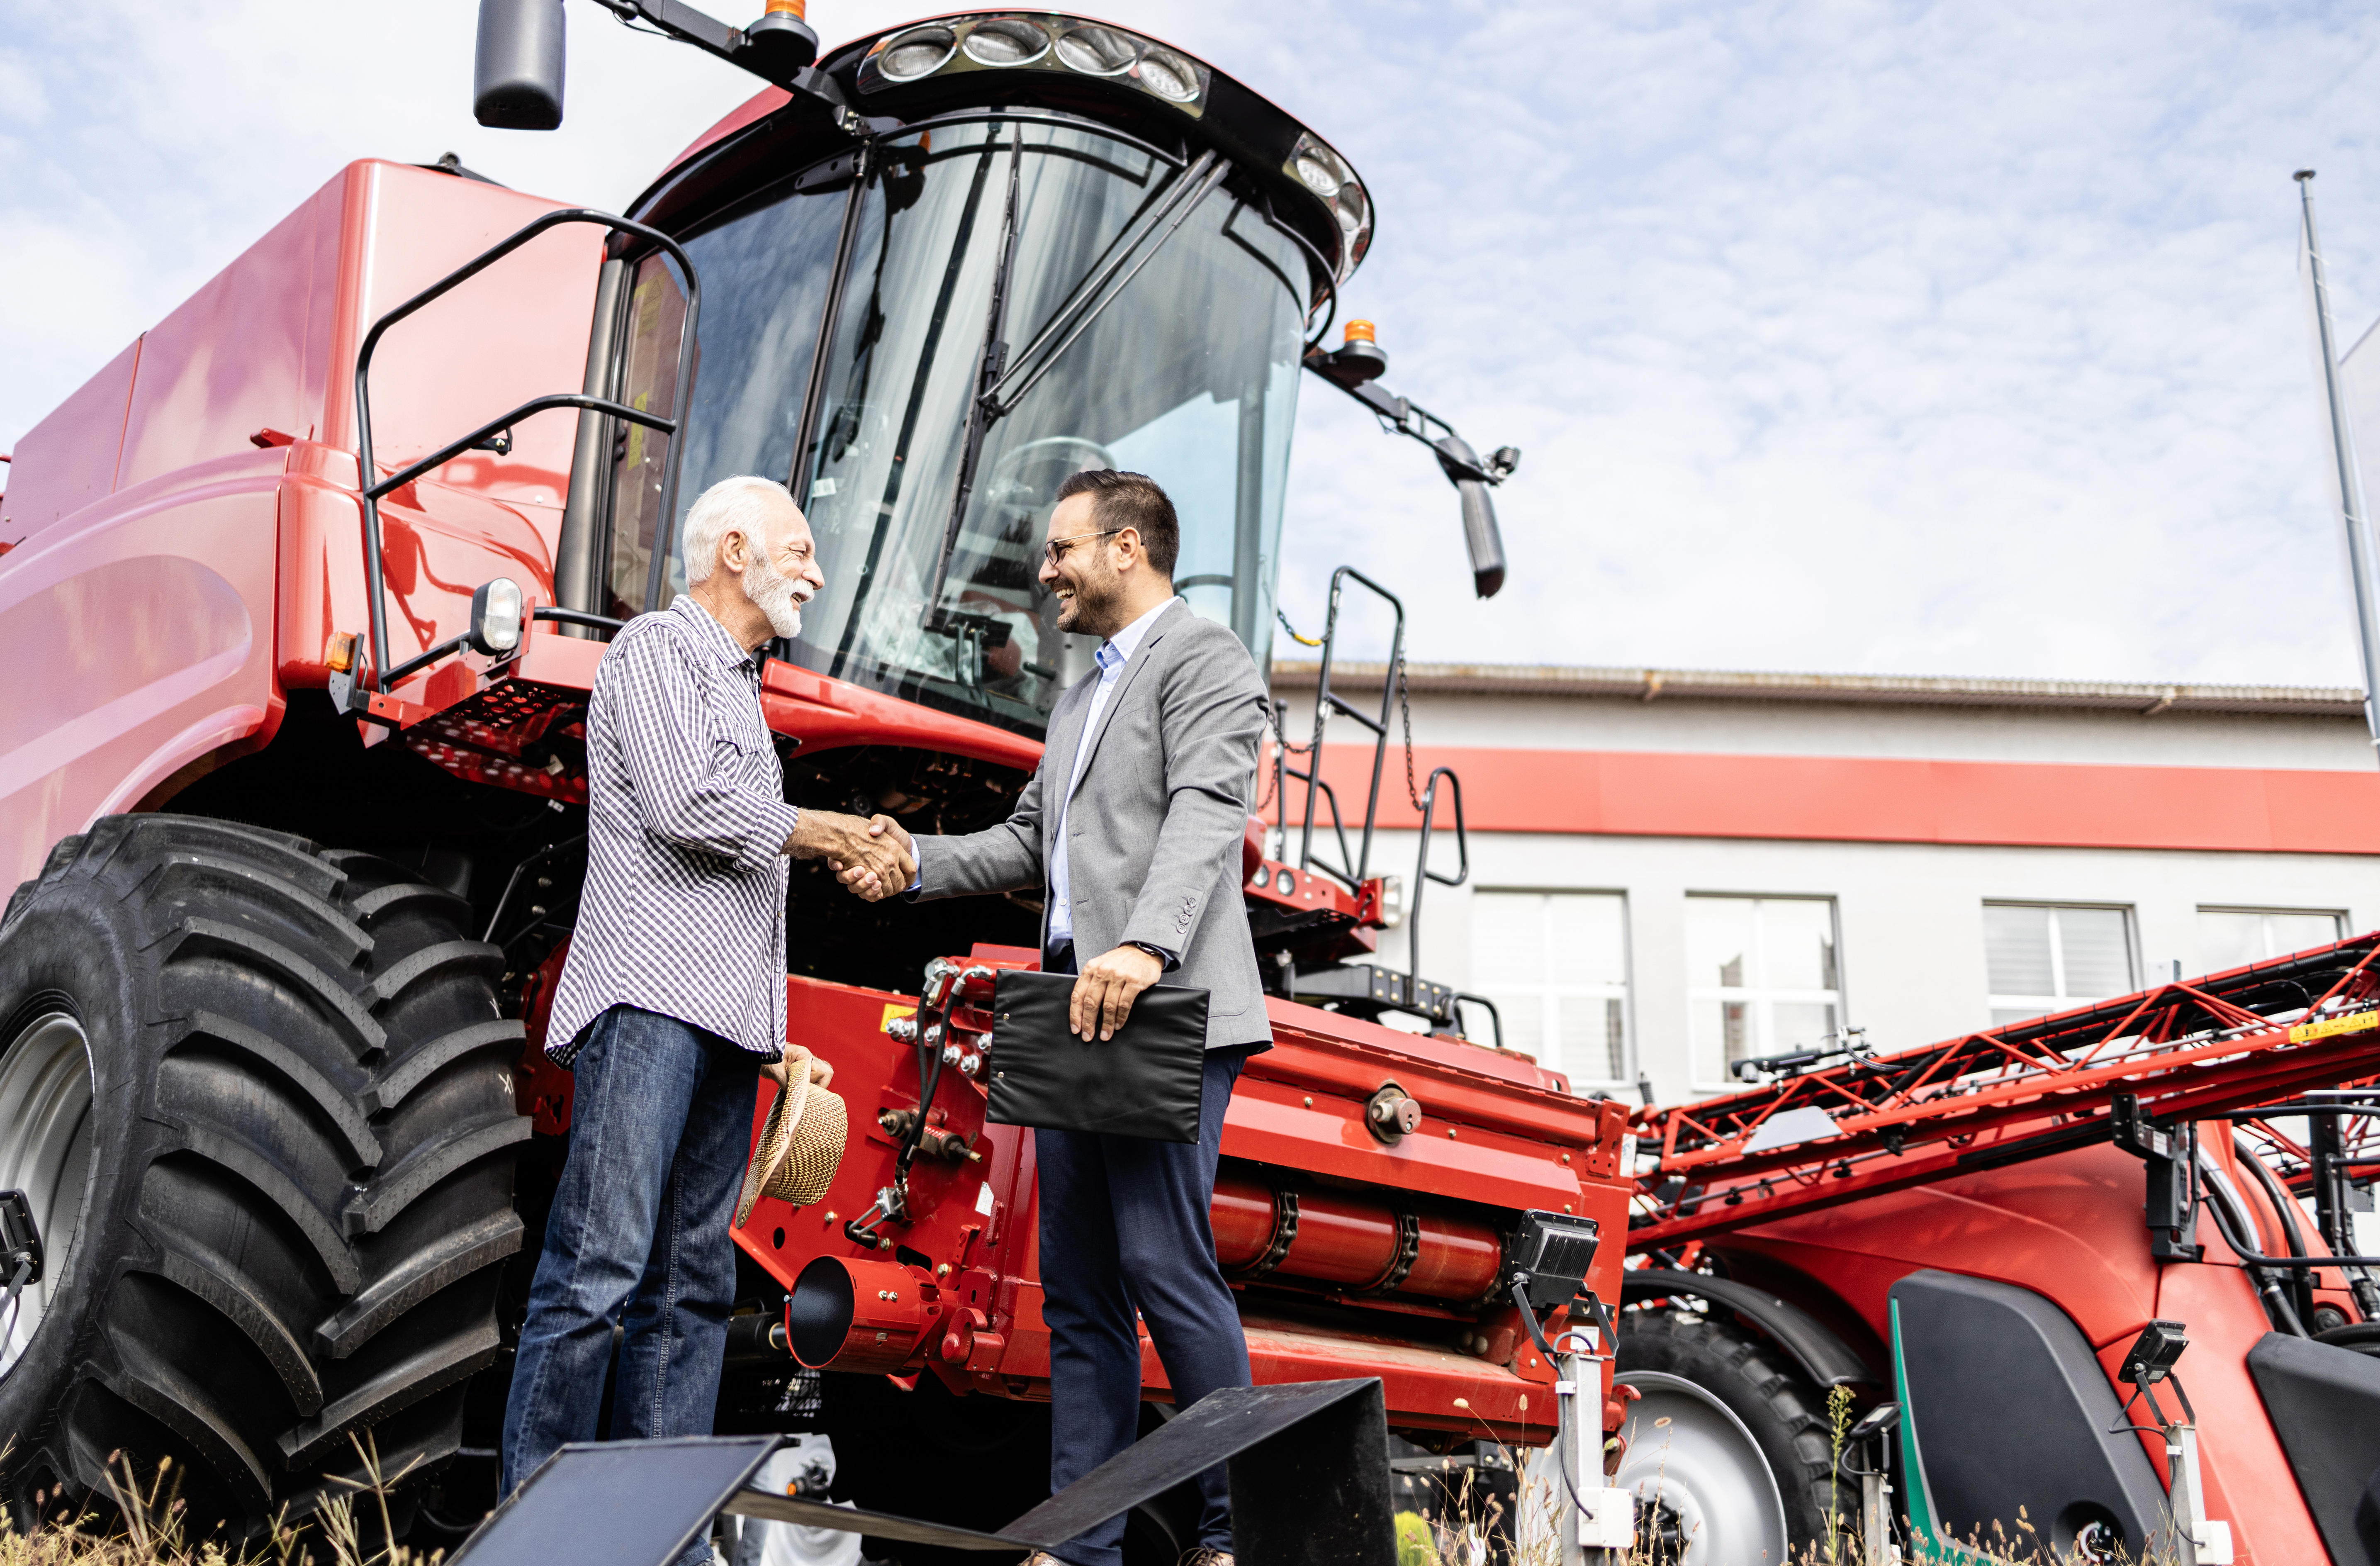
(801, 1145)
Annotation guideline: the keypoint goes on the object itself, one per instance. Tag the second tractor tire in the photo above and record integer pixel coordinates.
(1784, 1411)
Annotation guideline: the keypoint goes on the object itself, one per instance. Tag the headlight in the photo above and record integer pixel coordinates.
(1169, 75)
(1392, 902)
(1350, 206)
(1324, 172)
(1319, 167)
(1006, 43)
(496, 617)
(1095, 50)
(919, 51)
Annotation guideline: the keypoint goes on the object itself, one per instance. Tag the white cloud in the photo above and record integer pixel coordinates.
(1837, 334)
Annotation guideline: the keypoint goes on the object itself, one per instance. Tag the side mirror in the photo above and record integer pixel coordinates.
(516, 72)
(1480, 534)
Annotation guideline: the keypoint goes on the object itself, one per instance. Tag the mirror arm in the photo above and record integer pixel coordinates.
(712, 36)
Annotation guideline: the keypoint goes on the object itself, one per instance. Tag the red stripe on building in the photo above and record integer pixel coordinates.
(1856, 799)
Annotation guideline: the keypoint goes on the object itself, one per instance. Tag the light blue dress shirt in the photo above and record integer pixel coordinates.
(1114, 654)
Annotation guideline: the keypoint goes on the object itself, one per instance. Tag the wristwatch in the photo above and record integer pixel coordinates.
(1165, 958)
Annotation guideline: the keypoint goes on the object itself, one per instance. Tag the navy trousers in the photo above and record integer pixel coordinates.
(1125, 1228)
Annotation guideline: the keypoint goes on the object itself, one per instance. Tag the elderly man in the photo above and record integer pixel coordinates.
(672, 1000)
(1131, 830)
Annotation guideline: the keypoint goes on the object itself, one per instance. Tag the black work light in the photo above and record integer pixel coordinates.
(2152, 1355)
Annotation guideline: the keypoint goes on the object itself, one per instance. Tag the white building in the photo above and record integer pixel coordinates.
(1673, 871)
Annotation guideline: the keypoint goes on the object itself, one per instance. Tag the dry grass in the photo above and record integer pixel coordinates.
(1541, 1506)
(147, 1526)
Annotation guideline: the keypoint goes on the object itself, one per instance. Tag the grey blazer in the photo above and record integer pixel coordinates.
(1155, 827)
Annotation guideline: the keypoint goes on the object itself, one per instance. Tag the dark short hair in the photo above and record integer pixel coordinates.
(1135, 501)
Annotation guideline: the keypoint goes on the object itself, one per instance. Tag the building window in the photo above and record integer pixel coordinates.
(1556, 965)
(2230, 938)
(1763, 978)
(2043, 959)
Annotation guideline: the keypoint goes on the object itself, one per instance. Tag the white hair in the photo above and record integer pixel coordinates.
(739, 505)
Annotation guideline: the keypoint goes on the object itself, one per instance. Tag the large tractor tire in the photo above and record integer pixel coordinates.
(261, 1097)
(1728, 1443)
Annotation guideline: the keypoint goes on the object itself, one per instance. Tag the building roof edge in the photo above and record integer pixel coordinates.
(1899, 690)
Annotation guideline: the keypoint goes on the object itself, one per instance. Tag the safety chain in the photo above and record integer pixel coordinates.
(1405, 706)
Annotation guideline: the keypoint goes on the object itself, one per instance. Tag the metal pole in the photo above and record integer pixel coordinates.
(2351, 485)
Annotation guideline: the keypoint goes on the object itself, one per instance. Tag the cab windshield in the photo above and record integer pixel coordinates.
(1151, 321)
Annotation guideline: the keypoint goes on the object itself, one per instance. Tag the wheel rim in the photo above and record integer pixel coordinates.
(45, 1145)
(1692, 1464)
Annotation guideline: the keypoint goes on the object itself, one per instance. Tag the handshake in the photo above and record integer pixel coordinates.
(873, 857)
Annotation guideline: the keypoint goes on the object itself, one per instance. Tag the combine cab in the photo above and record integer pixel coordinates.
(304, 594)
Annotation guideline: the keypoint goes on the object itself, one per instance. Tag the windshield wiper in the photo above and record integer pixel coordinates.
(1190, 188)
(1100, 289)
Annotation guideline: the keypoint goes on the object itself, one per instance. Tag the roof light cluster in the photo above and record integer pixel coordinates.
(1324, 172)
(1039, 41)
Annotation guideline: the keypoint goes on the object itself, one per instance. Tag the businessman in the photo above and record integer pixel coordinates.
(1131, 831)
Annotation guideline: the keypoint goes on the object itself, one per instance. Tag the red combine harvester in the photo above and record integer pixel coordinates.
(303, 595)
(302, 598)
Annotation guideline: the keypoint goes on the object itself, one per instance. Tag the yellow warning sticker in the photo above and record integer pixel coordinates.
(893, 1008)
(2362, 1021)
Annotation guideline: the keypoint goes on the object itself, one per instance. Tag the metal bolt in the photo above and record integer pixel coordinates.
(1309, 1100)
(1450, 1131)
(944, 1271)
(1565, 1158)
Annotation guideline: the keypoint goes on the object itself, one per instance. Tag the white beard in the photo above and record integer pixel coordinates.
(779, 596)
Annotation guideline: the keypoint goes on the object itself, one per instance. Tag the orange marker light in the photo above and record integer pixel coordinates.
(786, 8)
(339, 651)
(1361, 331)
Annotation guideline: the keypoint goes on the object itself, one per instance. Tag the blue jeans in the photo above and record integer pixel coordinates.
(1124, 1227)
(661, 1125)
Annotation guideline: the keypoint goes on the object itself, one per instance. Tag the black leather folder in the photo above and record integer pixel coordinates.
(1144, 1082)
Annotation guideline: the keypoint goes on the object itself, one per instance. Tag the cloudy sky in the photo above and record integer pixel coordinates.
(1962, 338)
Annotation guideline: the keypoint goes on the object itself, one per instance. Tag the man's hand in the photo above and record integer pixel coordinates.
(870, 884)
(1106, 989)
(821, 1073)
(872, 861)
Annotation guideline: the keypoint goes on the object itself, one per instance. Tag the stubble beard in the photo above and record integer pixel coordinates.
(1083, 613)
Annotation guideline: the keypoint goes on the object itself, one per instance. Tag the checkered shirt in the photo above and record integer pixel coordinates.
(684, 912)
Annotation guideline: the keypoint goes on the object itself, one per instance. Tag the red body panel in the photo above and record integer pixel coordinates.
(173, 577)
(2069, 1228)
(1493, 1134)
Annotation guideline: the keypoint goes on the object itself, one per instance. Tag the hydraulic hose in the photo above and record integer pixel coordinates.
(2230, 1215)
(2302, 1294)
